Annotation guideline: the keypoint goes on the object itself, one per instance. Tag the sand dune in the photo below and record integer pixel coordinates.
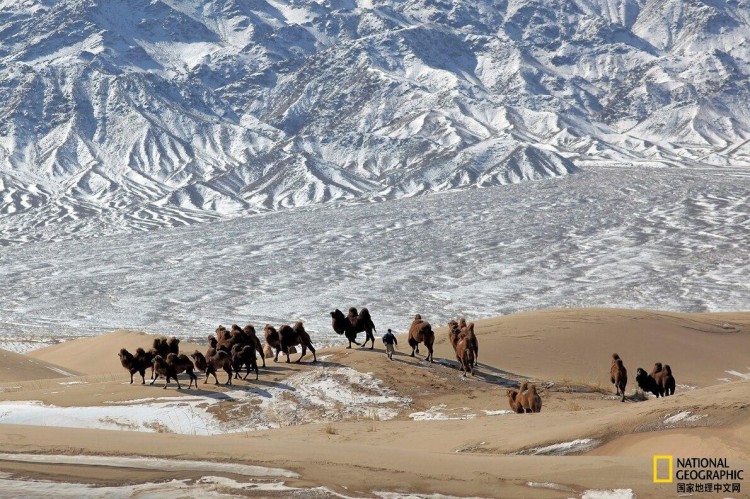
(98, 354)
(436, 432)
(16, 367)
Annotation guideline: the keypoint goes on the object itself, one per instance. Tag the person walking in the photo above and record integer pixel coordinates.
(389, 340)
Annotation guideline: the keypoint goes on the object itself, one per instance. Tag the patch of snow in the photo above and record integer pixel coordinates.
(683, 417)
(561, 449)
(442, 413)
(322, 394)
(609, 494)
(496, 413)
(141, 462)
(549, 485)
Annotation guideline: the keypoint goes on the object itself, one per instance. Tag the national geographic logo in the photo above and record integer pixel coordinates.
(698, 474)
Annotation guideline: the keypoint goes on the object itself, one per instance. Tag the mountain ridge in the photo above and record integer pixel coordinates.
(135, 113)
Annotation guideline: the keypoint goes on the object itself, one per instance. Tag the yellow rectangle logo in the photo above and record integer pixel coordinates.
(668, 460)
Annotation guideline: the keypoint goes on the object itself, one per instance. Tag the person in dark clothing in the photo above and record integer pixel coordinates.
(389, 340)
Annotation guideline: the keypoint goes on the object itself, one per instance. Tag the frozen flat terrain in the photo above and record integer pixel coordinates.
(656, 238)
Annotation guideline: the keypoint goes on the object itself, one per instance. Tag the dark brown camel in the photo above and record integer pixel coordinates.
(254, 341)
(287, 337)
(212, 362)
(137, 363)
(172, 366)
(354, 323)
(244, 356)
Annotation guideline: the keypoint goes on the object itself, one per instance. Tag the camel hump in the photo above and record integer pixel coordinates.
(657, 367)
(619, 363)
(417, 317)
(668, 369)
(524, 386)
(615, 356)
(364, 313)
(532, 389)
(470, 327)
(140, 351)
(353, 311)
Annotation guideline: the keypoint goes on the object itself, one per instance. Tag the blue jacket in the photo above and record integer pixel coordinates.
(389, 339)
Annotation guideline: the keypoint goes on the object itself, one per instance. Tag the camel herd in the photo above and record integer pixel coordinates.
(660, 382)
(230, 350)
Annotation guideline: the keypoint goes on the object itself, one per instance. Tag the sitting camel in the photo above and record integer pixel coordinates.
(514, 402)
(420, 331)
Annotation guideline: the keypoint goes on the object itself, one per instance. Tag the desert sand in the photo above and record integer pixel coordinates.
(358, 425)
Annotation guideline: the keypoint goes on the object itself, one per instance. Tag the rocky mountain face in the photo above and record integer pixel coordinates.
(141, 113)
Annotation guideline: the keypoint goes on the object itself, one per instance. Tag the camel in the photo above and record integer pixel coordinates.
(213, 361)
(514, 402)
(529, 398)
(420, 331)
(172, 366)
(465, 354)
(647, 383)
(244, 355)
(287, 337)
(354, 323)
(137, 363)
(665, 382)
(618, 375)
(254, 341)
(468, 331)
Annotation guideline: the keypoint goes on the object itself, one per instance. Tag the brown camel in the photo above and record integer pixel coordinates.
(618, 375)
(514, 402)
(468, 331)
(420, 331)
(529, 398)
(665, 382)
(465, 354)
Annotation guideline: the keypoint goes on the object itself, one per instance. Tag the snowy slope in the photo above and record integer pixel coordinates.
(141, 113)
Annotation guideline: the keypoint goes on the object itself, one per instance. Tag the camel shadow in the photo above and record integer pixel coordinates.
(486, 373)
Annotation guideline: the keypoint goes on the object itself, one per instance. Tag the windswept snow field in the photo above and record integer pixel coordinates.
(661, 238)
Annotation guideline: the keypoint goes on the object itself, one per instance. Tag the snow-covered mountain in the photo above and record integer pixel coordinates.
(160, 112)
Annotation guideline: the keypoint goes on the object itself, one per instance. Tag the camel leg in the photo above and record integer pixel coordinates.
(178, 382)
(262, 355)
(229, 376)
(143, 377)
(304, 351)
(153, 379)
(315, 359)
